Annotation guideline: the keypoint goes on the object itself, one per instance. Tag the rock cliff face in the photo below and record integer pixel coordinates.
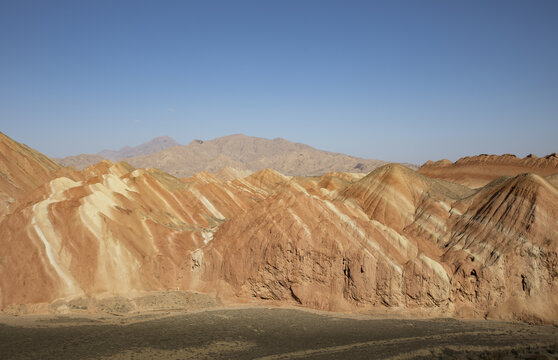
(400, 240)
(503, 249)
(393, 239)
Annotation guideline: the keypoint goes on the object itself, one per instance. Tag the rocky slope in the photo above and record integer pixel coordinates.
(503, 249)
(400, 240)
(240, 152)
(393, 239)
(253, 154)
(21, 170)
(477, 171)
(110, 229)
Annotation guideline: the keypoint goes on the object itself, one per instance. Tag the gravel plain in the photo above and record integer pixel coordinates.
(267, 333)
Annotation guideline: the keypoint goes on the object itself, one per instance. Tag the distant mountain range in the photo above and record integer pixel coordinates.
(158, 144)
(82, 161)
(236, 151)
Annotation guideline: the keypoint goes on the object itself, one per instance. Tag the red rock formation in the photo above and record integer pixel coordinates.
(504, 249)
(108, 230)
(22, 169)
(477, 171)
(394, 239)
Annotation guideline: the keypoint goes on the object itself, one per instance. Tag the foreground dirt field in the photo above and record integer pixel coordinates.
(267, 333)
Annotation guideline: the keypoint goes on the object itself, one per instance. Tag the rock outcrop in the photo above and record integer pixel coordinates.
(393, 239)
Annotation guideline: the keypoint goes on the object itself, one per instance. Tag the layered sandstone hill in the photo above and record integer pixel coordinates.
(111, 229)
(393, 239)
(241, 152)
(400, 240)
(21, 169)
(477, 171)
(229, 173)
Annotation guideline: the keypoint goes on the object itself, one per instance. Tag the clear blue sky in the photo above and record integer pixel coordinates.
(394, 80)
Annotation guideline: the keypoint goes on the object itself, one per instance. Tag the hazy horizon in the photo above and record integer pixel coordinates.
(397, 81)
(188, 142)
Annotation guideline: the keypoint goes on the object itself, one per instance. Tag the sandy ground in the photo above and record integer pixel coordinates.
(266, 333)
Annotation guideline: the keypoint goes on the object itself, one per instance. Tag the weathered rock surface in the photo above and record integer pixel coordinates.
(21, 170)
(393, 239)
